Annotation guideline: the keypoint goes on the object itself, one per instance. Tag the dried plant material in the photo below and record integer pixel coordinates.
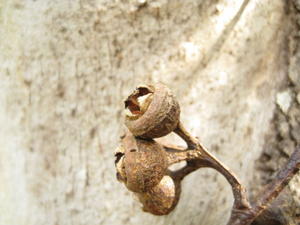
(151, 111)
(161, 199)
(119, 163)
(137, 103)
(144, 163)
(144, 102)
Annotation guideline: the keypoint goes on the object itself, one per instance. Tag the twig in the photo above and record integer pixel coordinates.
(142, 163)
(271, 191)
(242, 212)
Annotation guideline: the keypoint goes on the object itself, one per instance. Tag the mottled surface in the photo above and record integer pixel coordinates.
(65, 68)
(284, 132)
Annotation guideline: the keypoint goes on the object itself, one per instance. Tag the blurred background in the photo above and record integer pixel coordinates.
(66, 67)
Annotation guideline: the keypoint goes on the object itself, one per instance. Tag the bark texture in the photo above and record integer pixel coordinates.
(66, 67)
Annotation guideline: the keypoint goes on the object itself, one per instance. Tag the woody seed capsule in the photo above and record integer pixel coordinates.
(151, 111)
(143, 164)
(163, 198)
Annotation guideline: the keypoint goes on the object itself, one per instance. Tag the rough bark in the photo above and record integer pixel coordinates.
(66, 66)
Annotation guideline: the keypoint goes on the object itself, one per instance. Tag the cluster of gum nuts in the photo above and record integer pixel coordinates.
(142, 163)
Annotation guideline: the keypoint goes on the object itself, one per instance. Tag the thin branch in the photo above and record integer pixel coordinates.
(282, 178)
(196, 156)
(189, 139)
(242, 213)
(205, 159)
(272, 190)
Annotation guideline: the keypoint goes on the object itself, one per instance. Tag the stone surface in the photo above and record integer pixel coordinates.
(284, 100)
(65, 68)
(284, 133)
(298, 97)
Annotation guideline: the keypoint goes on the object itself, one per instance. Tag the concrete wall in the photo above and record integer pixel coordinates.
(67, 65)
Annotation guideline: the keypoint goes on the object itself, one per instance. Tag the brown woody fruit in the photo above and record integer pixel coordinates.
(163, 198)
(151, 111)
(142, 165)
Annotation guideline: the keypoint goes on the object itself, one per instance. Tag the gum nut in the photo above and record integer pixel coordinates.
(154, 111)
(145, 164)
(162, 198)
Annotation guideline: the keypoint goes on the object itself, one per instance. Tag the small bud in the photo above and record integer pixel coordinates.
(163, 198)
(151, 111)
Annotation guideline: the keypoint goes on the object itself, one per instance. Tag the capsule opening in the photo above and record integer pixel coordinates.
(139, 100)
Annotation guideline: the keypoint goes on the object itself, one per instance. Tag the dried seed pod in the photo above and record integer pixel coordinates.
(163, 198)
(143, 164)
(151, 111)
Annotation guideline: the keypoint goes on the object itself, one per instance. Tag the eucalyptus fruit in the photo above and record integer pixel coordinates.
(161, 199)
(142, 163)
(151, 111)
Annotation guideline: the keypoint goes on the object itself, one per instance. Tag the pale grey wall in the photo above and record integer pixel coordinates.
(65, 68)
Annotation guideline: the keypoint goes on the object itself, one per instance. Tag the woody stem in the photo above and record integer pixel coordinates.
(242, 213)
(205, 158)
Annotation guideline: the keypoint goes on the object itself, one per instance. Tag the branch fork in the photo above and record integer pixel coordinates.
(142, 163)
